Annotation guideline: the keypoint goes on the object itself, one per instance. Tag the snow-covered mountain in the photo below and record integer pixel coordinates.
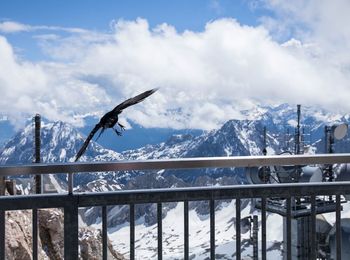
(59, 143)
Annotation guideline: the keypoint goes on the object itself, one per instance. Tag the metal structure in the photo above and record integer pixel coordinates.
(301, 210)
(71, 202)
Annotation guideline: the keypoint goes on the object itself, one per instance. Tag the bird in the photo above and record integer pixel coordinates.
(110, 119)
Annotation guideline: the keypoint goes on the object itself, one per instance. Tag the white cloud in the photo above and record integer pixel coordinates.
(322, 21)
(204, 77)
(16, 27)
(13, 27)
(28, 88)
(214, 68)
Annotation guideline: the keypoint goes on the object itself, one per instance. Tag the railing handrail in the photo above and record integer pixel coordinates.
(178, 163)
(123, 197)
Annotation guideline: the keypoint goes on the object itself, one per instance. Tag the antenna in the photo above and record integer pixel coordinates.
(297, 135)
(264, 151)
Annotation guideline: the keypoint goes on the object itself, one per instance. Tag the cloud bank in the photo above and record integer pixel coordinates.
(205, 78)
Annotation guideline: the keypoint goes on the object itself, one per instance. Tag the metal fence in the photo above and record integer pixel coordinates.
(71, 201)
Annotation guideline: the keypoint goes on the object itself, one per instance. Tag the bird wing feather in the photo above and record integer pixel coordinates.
(87, 141)
(133, 100)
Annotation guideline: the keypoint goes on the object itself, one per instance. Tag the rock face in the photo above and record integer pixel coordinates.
(51, 237)
(51, 232)
(91, 246)
(18, 236)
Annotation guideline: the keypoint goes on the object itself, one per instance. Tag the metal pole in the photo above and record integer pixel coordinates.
(35, 233)
(212, 229)
(37, 121)
(288, 243)
(2, 234)
(132, 231)
(263, 228)
(338, 228)
(38, 186)
(264, 151)
(104, 233)
(312, 236)
(71, 227)
(70, 183)
(2, 226)
(186, 231)
(297, 141)
(238, 228)
(160, 231)
(255, 237)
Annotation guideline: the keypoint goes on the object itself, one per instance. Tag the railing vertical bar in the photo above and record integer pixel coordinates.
(71, 228)
(186, 231)
(2, 235)
(35, 233)
(70, 183)
(338, 227)
(263, 228)
(238, 228)
(160, 231)
(104, 233)
(212, 229)
(313, 254)
(132, 231)
(289, 229)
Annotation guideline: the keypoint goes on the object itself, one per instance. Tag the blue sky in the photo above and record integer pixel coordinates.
(97, 15)
(210, 58)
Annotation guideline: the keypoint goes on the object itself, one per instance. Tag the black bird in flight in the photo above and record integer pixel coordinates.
(110, 119)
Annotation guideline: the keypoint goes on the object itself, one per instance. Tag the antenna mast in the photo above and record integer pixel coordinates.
(264, 151)
(297, 135)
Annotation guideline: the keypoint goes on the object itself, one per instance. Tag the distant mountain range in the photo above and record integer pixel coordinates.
(61, 141)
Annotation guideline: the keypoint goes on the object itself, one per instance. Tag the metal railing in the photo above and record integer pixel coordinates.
(72, 201)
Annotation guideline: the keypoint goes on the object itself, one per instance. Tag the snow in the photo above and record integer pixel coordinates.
(199, 235)
(55, 183)
(292, 123)
(63, 154)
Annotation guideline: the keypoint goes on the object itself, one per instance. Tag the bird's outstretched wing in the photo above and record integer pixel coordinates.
(133, 100)
(87, 141)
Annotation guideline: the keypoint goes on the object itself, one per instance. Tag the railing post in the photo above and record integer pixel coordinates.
(70, 183)
(186, 231)
(313, 237)
(288, 243)
(2, 221)
(35, 233)
(255, 237)
(338, 227)
(132, 231)
(160, 231)
(238, 228)
(2, 234)
(104, 233)
(212, 229)
(71, 227)
(263, 228)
